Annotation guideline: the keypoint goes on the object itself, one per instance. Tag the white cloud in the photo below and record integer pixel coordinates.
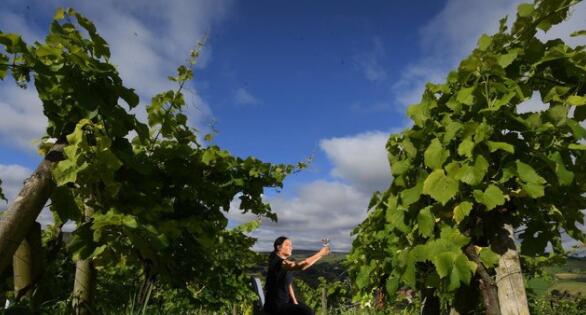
(12, 177)
(11, 22)
(320, 209)
(446, 39)
(369, 63)
(360, 159)
(376, 107)
(21, 117)
(148, 40)
(244, 98)
(453, 32)
(329, 208)
(532, 104)
(409, 88)
(21, 114)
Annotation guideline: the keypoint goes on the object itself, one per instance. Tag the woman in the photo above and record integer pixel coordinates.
(280, 298)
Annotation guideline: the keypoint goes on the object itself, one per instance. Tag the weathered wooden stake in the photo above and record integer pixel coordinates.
(85, 280)
(509, 277)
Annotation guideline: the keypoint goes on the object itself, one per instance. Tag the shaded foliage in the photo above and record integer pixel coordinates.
(472, 162)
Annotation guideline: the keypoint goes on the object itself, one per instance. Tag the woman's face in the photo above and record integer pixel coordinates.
(286, 248)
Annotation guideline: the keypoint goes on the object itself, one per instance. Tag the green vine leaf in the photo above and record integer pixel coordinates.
(465, 148)
(412, 195)
(525, 9)
(419, 113)
(508, 58)
(426, 221)
(493, 146)
(527, 174)
(565, 176)
(574, 146)
(484, 42)
(440, 187)
(363, 277)
(488, 257)
(576, 100)
(491, 197)
(578, 33)
(473, 175)
(461, 211)
(465, 95)
(435, 155)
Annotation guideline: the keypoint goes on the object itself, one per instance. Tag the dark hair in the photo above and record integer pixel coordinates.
(278, 242)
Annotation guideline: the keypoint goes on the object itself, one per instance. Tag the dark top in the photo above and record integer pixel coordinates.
(278, 280)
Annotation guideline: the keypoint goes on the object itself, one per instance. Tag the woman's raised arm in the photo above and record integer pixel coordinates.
(307, 262)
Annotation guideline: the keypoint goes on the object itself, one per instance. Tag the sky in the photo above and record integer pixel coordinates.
(284, 81)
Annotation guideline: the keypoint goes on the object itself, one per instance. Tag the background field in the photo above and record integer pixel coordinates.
(570, 277)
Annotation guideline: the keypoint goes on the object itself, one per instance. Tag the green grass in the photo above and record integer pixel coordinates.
(540, 285)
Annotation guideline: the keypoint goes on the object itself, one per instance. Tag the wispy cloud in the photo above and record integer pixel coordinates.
(369, 62)
(453, 33)
(376, 107)
(445, 40)
(243, 98)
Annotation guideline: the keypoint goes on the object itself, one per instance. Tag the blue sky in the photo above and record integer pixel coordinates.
(285, 75)
(280, 80)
